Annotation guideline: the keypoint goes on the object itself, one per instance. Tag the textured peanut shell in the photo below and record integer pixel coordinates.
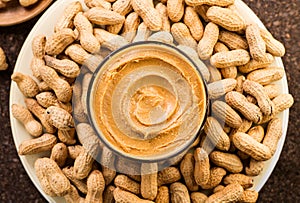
(101, 16)
(35, 64)
(209, 2)
(179, 193)
(192, 20)
(59, 154)
(239, 102)
(273, 134)
(127, 197)
(227, 59)
(38, 46)
(216, 135)
(168, 175)
(95, 186)
(162, 36)
(216, 176)
(215, 74)
(3, 64)
(198, 197)
(162, 10)
(182, 35)
(65, 21)
(254, 64)
(257, 45)
(231, 193)
(187, 168)
(109, 40)
(22, 114)
(224, 112)
(80, 184)
(226, 18)
(149, 180)
(59, 118)
(148, 13)
(273, 46)
(244, 180)
(233, 40)
(202, 167)
(220, 88)
(249, 196)
(206, 44)
(125, 183)
(255, 167)
(230, 162)
(56, 43)
(37, 145)
(130, 26)
(272, 90)
(266, 76)
(26, 84)
(99, 3)
(142, 34)
(175, 9)
(162, 195)
(83, 165)
(250, 146)
(108, 194)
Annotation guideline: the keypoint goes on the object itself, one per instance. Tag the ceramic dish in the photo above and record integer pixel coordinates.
(15, 13)
(45, 26)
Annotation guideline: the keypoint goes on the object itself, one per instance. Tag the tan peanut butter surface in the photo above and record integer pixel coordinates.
(148, 101)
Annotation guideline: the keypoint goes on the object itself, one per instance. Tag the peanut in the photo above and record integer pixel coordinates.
(231, 193)
(254, 64)
(35, 64)
(202, 167)
(216, 135)
(62, 89)
(109, 40)
(230, 162)
(266, 76)
(85, 85)
(37, 145)
(272, 90)
(148, 13)
(179, 193)
(215, 74)
(73, 196)
(162, 36)
(256, 43)
(175, 10)
(149, 180)
(98, 3)
(202, 10)
(108, 194)
(162, 195)
(230, 72)
(194, 56)
(83, 165)
(216, 176)
(220, 88)
(282, 102)
(43, 86)
(26, 84)
(56, 43)
(187, 168)
(65, 21)
(80, 184)
(108, 165)
(273, 134)
(67, 136)
(74, 151)
(250, 146)
(142, 34)
(224, 112)
(257, 132)
(38, 46)
(239, 102)
(209, 2)
(22, 114)
(206, 44)
(168, 175)
(59, 118)
(198, 197)
(162, 10)
(47, 99)
(59, 154)
(95, 186)
(34, 107)
(218, 188)
(233, 40)
(226, 18)
(130, 26)
(125, 183)
(249, 196)
(101, 16)
(227, 59)
(86, 37)
(51, 178)
(273, 46)
(26, 3)
(239, 84)
(192, 20)
(127, 197)
(241, 179)
(255, 167)
(257, 91)
(182, 35)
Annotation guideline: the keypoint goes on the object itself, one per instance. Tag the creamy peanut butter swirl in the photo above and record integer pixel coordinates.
(148, 101)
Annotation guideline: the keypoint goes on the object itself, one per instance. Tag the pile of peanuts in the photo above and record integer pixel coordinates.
(3, 63)
(24, 3)
(241, 87)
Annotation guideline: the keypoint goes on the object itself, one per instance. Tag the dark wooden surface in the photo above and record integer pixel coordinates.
(282, 18)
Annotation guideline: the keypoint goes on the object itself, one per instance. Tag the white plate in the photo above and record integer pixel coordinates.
(45, 26)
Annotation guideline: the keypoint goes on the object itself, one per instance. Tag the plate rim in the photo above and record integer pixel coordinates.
(14, 90)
